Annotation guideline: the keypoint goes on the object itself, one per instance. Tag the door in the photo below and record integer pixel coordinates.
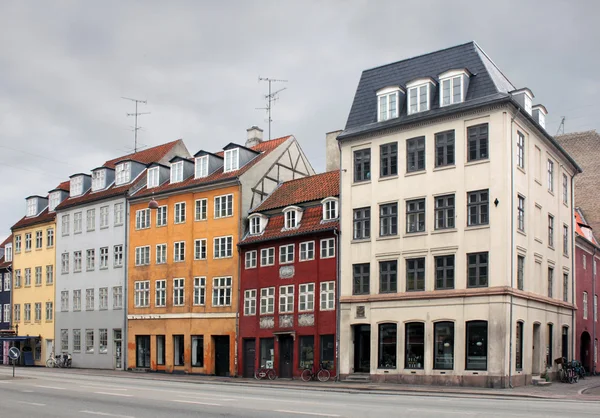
(118, 362)
(286, 356)
(142, 346)
(49, 348)
(221, 355)
(249, 357)
(537, 345)
(362, 348)
(584, 348)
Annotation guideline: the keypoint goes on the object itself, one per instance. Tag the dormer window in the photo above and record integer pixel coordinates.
(177, 172)
(232, 160)
(54, 200)
(202, 166)
(76, 187)
(153, 177)
(387, 103)
(32, 207)
(98, 180)
(8, 253)
(292, 216)
(418, 99)
(454, 85)
(123, 173)
(258, 224)
(528, 104)
(330, 208)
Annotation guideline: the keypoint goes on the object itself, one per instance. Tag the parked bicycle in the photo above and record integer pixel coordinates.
(567, 372)
(60, 361)
(322, 374)
(579, 369)
(265, 373)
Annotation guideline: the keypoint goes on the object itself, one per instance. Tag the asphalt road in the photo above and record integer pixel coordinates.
(63, 394)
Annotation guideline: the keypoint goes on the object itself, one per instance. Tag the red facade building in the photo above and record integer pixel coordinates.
(289, 283)
(587, 260)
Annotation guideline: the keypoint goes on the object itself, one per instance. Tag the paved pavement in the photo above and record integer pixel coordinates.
(80, 393)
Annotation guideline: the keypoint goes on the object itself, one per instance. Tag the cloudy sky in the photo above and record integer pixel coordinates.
(64, 66)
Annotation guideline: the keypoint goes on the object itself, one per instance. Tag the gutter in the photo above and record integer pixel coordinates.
(573, 264)
(124, 334)
(338, 292)
(333, 228)
(595, 311)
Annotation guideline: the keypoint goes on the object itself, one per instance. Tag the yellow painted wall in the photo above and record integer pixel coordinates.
(36, 257)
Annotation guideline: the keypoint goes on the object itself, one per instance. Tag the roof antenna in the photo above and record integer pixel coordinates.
(561, 127)
(136, 114)
(271, 97)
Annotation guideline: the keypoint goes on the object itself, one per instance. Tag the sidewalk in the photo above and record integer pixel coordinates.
(585, 390)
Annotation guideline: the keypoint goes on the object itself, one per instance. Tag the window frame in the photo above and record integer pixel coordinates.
(416, 217)
(307, 251)
(416, 152)
(444, 270)
(269, 256)
(477, 266)
(520, 150)
(361, 273)
(444, 142)
(231, 160)
(436, 329)
(468, 331)
(445, 206)
(388, 160)
(385, 360)
(179, 213)
(479, 204)
(361, 165)
(388, 276)
(389, 97)
(388, 219)
(480, 141)
(361, 225)
(285, 259)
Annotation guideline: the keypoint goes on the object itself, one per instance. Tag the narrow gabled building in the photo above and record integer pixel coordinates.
(289, 279)
(183, 274)
(6, 255)
(90, 253)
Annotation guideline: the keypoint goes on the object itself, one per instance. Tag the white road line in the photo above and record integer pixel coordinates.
(439, 411)
(32, 403)
(105, 414)
(100, 387)
(306, 413)
(49, 387)
(27, 391)
(197, 403)
(114, 394)
(200, 396)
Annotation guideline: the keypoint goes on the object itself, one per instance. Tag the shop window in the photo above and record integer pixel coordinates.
(178, 349)
(477, 340)
(197, 350)
(160, 350)
(415, 346)
(307, 351)
(328, 350)
(388, 339)
(443, 356)
(267, 352)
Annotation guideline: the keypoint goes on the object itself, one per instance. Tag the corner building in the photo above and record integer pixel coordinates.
(183, 265)
(457, 264)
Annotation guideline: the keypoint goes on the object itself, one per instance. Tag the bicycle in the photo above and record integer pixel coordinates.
(54, 361)
(567, 372)
(265, 373)
(322, 374)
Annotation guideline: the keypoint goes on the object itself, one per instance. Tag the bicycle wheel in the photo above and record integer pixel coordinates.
(271, 374)
(50, 363)
(257, 374)
(306, 375)
(323, 375)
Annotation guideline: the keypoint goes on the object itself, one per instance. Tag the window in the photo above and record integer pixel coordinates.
(387, 106)
(452, 90)
(153, 177)
(415, 216)
(27, 277)
(595, 306)
(306, 297)
(179, 251)
(477, 264)
(415, 154)
(566, 240)
(180, 212)
(415, 346)
(361, 279)
(49, 275)
(307, 251)
(38, 276)
(444, 212)
(330, 209)
(89, 299)
(328, 248)
(223, 247)
(161, 216)
(117, 297)
(38, 312)
(89, 341)
(76, 186)
(201, 166)
(90, 219)
(76, 300)
(201, 209)
(585, 305)
(267, 257)
(66, 223)
(286, 299)
(520, 150)
(444, 272)
(327, 296)
(286, 254)
(550, 176)
(267, 300)
(7, 313)
(565, 189)
(584, 260)
(197, 351)
(17, 313)
(415, 274)
(90, 259)
(18, 237)
(291, 218)
(54, 201)
(142, 219)
(388, 339)
(160, 297)
(104, 257)
(232, 160)
(160, 350)
(550, 230)
(177, 172)
(251, 259)
(520, 272)
(222, 291)
(444, 149)
(103, 298)
(565, 342)
(443, 350)
(478, 142)
(27, 312)
(49, 239)
(161, 253)
(549, 356)
(550, 281)
(388, 219)
(362, 223)
(76, 340)
(200, 249)
(28, 242)
(250, 302)
(76, 261)
(566, 289)
(8, 252)
(7, 281)
(118, 255)
(142, 294)
(478, 207)
(327, 350)
(255, 228)
(64, 340)
(178, 292)
(388, 154)
(388, 276)
(418, 99)
(39, 238)
(477, 344)
(122, 173)
(102, 348)
(521, 213)
(223, 206)
(519, 346)
(104, 217)
(119, 214)
(307, 351)
(199, 290)
(362, 165)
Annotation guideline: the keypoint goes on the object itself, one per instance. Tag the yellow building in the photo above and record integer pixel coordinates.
(34, 275)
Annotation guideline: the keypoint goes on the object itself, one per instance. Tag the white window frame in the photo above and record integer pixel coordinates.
(222, 287)
(219, 201)
(179, 251)
(117, 292)
(64, 301)
(8, 254)
(200, 209)
(53, 201)
(142, 294)
(585, 305)
(232, 160)
(77, 222)
(162, 213)
(103, 298)
(306, 297)
(179, 291)
(90, 302)
(199, 291)
(98, 180)
(161, 254)
(305, 251)
(418, 87)
(177, 172)
(330, 208)
(49, 275)
(118, 255)
(384, 96)
(142, 255)
(64, 263)
(267, 301)
(142, 219)
(327, 296)
(450, 79)
(286, 299)
(118, 214)
(250, 259)
(32, 206)
(198, 244)
(122, 173)
(201, 167)
(267, 254)
(153, 177)
(250, 302)
(103, 258)
(227, 242)
(550, 174)
(284, 256)
(179, 213)
(104, 217)
(327, 248)
(76, 186)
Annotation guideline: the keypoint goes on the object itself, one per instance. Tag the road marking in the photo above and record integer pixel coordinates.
(306, 413)
(27, 391)
(199, 396)
(197, 403)
(100, 387)
(114, 394)
(105, 414)
(32, 403)
(440, 411)
(49, 387)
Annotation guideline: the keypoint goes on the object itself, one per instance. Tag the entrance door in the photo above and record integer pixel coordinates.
(362, 348)
(49, 348)
(286, 356)
(118, 362)
(221, 355)
(537, 345)
(249, 357)
(585, 350)
(142, 347)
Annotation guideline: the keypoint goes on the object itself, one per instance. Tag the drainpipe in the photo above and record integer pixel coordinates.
(573, 264)
(125, 333)
(595, 310)
(337, 278)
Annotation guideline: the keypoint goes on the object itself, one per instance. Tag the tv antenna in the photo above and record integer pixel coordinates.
(271, 98)
(561, 127)
(136, 114)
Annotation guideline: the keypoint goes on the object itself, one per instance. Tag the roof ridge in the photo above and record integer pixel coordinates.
(578, 133)
(130, 155)
(480, 49)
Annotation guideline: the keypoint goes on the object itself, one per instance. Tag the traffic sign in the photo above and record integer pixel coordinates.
(14, 353)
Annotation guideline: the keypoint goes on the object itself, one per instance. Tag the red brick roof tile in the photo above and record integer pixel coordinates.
(43, 217)
(582, 229)
(146, 156)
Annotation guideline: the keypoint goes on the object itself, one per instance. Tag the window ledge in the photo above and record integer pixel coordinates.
(222, 217)
(104, 227)
(415, 234)
(77, 233)
(566, 204)
(358, 241)
(360, 182)
(387, 238)
(476, 227)
(118, 267)
(538, 182)
(385, 178)
(538, 240)
(551, 192)
(522, 170)
(445, 167)
(477, 162)
(415, 173)
(551, 247)
(521, 232)
(444, 231)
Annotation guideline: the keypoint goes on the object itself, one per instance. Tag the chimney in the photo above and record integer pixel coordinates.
(254, 136)
(539, 114)
(332, 152)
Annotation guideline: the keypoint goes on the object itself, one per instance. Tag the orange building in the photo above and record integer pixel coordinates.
(183, 266)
